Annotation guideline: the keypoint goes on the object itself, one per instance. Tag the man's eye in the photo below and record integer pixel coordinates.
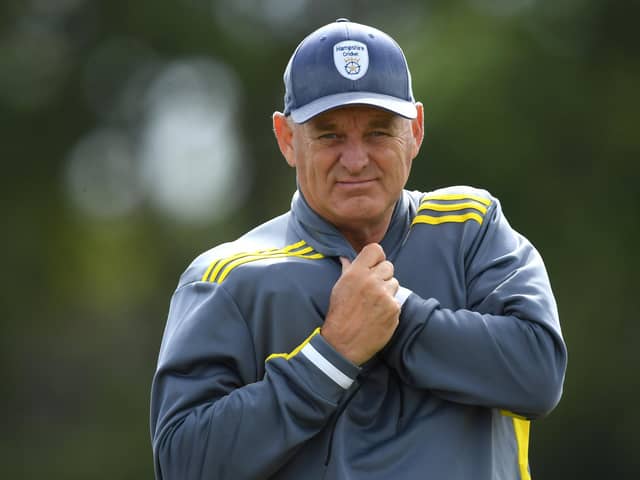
(328, 136)
(378, 133)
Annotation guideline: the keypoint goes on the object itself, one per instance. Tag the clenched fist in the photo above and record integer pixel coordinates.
(363, 313)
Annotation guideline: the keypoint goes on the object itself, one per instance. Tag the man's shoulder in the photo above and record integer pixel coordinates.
(457, 192)
(271, 239)
(460, 205)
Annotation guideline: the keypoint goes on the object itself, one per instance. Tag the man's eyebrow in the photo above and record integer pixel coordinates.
(382, 121)
(323, 124)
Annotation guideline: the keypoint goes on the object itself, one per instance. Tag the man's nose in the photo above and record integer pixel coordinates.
(354, 156)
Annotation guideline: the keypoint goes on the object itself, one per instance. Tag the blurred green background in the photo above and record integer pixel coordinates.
(135, 135)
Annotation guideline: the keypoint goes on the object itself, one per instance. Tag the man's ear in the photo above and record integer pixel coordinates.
(417, 128)
(284, 136)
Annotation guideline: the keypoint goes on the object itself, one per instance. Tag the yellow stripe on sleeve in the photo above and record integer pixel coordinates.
(434, 220)
(451, 207)
(253, 258)
(457, 196)
(220, 268)
(208, 271)
(522, 428)
(219, 263)
(269, 251)
(508, 413)
(295, 351)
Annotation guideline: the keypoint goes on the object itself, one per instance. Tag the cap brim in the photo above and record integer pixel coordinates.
(404, 108)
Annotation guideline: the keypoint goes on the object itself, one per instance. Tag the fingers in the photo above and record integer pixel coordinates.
(346, 263)
(383, 270)
(371, 255)
(392, 285)
(373, 258)
(363, 312)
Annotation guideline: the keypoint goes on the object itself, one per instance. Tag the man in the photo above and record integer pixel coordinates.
(369, 332)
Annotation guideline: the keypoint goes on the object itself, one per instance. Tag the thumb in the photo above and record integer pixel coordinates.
(346, 263)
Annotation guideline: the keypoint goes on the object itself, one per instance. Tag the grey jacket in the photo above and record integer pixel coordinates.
(247, 388)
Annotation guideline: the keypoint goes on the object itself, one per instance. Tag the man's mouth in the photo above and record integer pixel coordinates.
(355, 182)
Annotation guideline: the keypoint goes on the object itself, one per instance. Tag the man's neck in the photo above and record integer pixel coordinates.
(360, 237)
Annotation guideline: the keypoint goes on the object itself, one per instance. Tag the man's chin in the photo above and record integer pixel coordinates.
(358, 210)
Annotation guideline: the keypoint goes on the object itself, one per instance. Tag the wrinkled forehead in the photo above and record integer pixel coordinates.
(356, 115)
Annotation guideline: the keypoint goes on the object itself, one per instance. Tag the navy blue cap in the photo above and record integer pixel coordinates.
(347, 63)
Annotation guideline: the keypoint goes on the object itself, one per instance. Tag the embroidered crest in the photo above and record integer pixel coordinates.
(351, 59)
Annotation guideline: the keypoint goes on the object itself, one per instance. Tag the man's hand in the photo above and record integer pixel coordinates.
(363, 313)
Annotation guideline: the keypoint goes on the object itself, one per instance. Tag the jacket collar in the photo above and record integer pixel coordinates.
(326, 239)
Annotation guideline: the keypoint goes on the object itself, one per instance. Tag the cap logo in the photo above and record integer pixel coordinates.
(351, 59)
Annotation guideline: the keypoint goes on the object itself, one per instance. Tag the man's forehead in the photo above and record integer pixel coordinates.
(363, 113)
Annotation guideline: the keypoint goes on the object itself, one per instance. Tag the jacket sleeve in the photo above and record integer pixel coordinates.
(211, 417)
(506, 349)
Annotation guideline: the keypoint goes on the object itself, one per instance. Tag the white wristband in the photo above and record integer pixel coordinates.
(327, 367)
(402, 294)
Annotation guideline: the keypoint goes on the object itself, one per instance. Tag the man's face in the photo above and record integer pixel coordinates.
(353, 162)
